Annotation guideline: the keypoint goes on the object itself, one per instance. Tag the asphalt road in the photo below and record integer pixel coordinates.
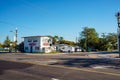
(67, 67)
(24, 71)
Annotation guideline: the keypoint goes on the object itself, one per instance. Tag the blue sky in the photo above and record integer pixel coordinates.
(64, 18)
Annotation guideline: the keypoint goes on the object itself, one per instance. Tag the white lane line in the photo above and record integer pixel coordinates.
(55, 79)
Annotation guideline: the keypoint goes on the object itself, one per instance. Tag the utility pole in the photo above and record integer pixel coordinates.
(16, 35)
(118, 22)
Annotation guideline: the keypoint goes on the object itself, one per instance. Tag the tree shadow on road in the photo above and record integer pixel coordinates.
(88, 62)
(7, 65)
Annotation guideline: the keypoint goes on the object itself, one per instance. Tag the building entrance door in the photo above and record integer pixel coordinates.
(31, 49)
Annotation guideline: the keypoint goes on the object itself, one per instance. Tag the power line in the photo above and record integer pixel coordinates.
(11, 24)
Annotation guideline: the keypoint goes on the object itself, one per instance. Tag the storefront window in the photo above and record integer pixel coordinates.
(26, 48)
(36, 48)
(34, 40)
(29, 40)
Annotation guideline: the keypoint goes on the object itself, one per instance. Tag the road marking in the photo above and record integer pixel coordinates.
(55, 79)
(102, 67)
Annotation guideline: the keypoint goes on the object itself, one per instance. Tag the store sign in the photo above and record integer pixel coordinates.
(46, 44)
(32, 44)
(45, 41)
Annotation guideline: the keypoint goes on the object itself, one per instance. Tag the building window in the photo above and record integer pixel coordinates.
(34, 40)
(36, 48)
(49, 40)
(26, 48)
(45, 40)
(29, 40)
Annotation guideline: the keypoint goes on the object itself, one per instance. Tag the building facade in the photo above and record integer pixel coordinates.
(37, 44)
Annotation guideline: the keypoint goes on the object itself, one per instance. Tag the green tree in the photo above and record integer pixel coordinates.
(102, 45)
(55, 39)
(21, 47)
(88, 38)
(82, 43)
(61, 38)
(108, 42)
(6, 42)
(67, 42)
(0, 45)
(112, 40)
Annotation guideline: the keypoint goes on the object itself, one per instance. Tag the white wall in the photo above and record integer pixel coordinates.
(42, 42)
(45, 43)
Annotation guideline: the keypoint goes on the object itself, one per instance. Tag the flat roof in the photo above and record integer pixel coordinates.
(36, 36)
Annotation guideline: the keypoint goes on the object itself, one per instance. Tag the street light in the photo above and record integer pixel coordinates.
(118, 22)
(16, 33)
(10, 50)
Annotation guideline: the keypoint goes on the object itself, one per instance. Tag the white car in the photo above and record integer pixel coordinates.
(67, 48)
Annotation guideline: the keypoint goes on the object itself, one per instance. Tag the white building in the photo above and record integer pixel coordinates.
(37, 44)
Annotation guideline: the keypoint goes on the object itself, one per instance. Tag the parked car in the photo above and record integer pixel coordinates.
(67, 48)
(64, 48)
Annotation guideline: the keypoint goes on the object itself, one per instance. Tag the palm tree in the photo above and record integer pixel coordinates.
(55, 39)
